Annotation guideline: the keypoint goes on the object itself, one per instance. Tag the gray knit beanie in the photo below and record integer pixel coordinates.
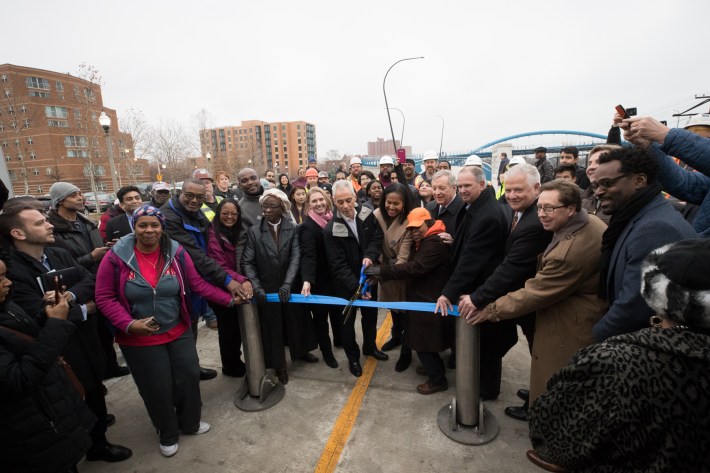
(60, 191)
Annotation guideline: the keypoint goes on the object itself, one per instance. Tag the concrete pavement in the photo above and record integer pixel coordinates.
(394, 431)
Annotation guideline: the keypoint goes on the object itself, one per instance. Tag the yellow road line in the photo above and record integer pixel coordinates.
(347, 417)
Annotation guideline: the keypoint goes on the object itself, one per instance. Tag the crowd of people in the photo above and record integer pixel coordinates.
(596, 265)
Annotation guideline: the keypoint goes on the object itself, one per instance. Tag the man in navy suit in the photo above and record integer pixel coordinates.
(642, 220)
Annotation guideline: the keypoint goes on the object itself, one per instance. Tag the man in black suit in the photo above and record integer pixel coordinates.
(447, 204)
(353, 238)
(478, 249)
(526, 240)
(30, 259)
(129, 199)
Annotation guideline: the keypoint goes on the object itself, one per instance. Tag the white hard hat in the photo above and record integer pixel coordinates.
(355, 161)
(429, 155)
(473, 160)
(701, 119)
(386, 160)
(516, 160)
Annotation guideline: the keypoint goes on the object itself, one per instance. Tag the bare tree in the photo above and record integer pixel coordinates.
(332, 155)
(171, 149)
(133, 122)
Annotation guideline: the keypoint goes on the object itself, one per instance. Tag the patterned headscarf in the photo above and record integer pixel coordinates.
(148, 211)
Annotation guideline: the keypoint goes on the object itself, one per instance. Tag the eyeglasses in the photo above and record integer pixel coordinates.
(604, 184)
(190, 196)
(549, 209)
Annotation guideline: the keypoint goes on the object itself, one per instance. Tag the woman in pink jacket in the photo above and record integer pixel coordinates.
(223, 246)
(142, 287)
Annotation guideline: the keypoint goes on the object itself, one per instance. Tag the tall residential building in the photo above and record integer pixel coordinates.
(383, 147)
(281, 146)
(49, 132)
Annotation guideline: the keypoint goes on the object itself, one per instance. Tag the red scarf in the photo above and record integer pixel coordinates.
(321, 220)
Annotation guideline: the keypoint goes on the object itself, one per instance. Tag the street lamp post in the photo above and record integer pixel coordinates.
(384, 91)
(401, 138)
(441, 142)
(105, 122)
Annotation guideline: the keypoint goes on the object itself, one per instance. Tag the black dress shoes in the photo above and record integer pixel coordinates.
(283, 376)
(518, 412)
(109, 453)
(355, 368)
(391, 344)
(403, 362)
(524, 394)
(236, 372)
(310, 358)
(330, 360)
(110, 420)
(207, 373)
(378, 355)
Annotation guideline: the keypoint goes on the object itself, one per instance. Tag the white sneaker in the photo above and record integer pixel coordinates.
(168, 450)
(204, 428)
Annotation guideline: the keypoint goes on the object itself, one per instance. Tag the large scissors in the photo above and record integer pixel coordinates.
(362, 288)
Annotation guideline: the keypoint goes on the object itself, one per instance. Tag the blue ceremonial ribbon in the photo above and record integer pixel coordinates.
(329, 300)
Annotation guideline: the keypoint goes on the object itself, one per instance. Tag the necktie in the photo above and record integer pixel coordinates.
(442, 209)
(515, 221)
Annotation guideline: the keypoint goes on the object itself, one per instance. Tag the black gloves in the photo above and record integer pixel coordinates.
(260, 296)
(284, 294)
(373, 271)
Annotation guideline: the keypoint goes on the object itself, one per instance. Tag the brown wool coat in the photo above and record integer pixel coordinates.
(396, 248)
(564, 295)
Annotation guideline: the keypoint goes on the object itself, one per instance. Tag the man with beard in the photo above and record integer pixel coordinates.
(410, 172)
(186, 223)
(249, 203)
(641, 221)
(479, 248)
(81, 238)
(30, 232)
(355, 169)
(429, 161)
(544, 167)
(386, 169)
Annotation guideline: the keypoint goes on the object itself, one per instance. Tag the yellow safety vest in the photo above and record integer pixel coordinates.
(209, 213)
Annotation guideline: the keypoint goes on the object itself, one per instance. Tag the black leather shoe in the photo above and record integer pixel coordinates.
(524, 394)
(109, 453)
(283, 376)
(378, 355)
(355, 368)
(237, 372)
(310, 358)
(403, 363)
(207, 373)
(517, 412)
(391, 344)
(110, 420)
(330, 360)
(117, 372)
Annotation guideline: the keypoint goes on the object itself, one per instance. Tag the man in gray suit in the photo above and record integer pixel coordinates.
(642, 220)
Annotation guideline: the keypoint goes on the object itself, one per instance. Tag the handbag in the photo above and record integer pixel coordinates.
(60, 361)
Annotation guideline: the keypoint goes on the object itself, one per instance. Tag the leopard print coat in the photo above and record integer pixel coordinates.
(637, 402)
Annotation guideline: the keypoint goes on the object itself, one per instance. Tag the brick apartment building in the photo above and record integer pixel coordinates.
(383, 147)
(49, 132)
(281, 146)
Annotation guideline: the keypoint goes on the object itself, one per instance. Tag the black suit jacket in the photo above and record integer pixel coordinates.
(314, 262)
(119, 224)
(452, 216)
(83, 350)
(522, 247)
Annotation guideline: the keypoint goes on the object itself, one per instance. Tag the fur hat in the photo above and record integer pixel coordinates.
(675, 284)
(60, 191)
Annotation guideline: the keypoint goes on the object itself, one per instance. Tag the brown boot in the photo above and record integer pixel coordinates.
(431, 388)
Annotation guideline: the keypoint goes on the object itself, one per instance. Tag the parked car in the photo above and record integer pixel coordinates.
(104, 200)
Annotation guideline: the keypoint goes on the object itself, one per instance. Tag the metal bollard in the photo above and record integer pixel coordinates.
(260, 389)
(465, 420)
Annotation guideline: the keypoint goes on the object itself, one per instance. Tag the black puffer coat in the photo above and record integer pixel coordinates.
(72, 240)
(44, 425)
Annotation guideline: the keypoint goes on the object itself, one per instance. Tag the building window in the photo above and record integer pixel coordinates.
(75, 141)
(10, 110)
(35, 171)
(58, 123)
(59, 86)
(55, 112)
(39, 189)
(76, 91)
(36, 93)
(284, 135)
(4, 143)
(17, 142)
(48, 171)
(23, 108)
(26, 122)
(37, 83)
(8, 158)
(8, 93)
(13, 175)
(29, 140)
(77, 114)
(33, 155)
(3, 78)
(2, 127)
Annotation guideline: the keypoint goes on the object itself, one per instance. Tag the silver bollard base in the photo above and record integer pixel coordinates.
(270, 394)
(480, 434)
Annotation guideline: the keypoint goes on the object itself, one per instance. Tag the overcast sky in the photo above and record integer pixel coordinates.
(492, 68)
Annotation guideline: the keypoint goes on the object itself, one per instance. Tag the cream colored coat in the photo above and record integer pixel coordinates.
(396, 247)
(563, 293)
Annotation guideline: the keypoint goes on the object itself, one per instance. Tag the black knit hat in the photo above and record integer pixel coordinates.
(675, 282)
